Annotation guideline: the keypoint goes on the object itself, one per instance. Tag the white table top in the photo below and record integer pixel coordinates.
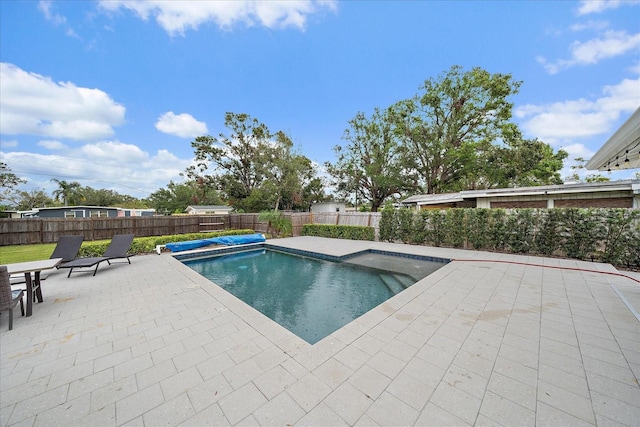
(33, 266)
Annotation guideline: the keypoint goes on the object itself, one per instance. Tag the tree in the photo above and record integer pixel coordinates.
(8, 182)
(177, 196)
(370, 166)
(452, 131)
(68, 192)
(27, 200)
(579, 166)
(252, 168)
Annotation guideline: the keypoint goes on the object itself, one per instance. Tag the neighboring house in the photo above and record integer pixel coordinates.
(209, 210)
(328, 207)
(89, 212)
(18, 214)
(613, 194)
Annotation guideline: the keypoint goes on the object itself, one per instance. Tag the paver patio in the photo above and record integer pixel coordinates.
(489, 339)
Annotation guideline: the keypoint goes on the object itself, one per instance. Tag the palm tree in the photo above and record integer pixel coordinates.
(69, 192)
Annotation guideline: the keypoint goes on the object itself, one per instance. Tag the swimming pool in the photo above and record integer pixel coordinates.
(309, 296)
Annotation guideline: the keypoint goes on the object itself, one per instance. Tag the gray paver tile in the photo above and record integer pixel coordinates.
(180, 383)
(434, 416)
(515, 391)
(40, 403)
(321, 416)
(348, 402)
(411, 391)
(309, 391)
(208, 392)
(332, 372)
(549, 416)
(506, 412)
(241, 403)
(212, 416)
(64, 414)
(274, 381)
(105, 417)
(112, 393)
(456, 401)
(170, 413)
(241, 374)
(574, 404)
(389, 410)
(90, 383)
(279, 411)
(466, 380)
(369, 381)
(138, 403)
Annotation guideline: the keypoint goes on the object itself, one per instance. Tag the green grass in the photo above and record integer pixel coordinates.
(21, 253)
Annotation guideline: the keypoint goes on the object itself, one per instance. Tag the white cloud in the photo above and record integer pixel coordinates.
(580, 118)
(8, 143)
(175, 17)
(597, 6)
(115, 165)
(182, 125)
(35, 105)
(609, 45)
(52, 145)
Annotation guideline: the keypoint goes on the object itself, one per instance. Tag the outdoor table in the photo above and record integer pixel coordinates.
(33, 285)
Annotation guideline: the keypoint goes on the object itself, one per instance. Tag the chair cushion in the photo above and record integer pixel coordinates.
(15, 294)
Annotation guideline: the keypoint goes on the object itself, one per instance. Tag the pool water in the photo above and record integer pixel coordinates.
(310, 297)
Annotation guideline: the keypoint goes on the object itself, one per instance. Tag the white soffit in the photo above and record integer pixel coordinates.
(622, 150)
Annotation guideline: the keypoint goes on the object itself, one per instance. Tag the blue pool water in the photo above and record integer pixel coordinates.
(310, 297)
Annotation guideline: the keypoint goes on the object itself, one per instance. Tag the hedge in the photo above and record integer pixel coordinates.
(148, 244)
(596, 234)
(350, 232)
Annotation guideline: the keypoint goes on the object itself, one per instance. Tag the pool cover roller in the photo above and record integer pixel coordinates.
(222, 240)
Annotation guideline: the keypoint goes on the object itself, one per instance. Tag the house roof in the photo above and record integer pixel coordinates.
(209, 207)
(77, 207)
(434, 199)
(622, 150)
(583, 187)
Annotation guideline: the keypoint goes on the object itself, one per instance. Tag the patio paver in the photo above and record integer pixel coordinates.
(489, 339)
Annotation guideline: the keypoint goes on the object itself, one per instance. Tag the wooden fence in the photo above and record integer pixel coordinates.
(20, 231)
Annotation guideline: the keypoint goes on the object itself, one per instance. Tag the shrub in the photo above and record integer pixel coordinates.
(349, 232)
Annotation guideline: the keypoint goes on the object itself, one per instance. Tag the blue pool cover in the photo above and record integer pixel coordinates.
(222, 240)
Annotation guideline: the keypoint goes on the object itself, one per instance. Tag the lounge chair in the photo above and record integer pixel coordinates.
(8, 298)
(67, 248)
(117, 249)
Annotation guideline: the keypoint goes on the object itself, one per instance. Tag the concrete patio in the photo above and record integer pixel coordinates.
(489, 339)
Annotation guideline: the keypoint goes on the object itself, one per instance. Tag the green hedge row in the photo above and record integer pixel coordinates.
(148, 244)
(607, 235)
(350, 232)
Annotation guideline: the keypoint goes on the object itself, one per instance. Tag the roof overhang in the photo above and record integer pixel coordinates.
(622, 150)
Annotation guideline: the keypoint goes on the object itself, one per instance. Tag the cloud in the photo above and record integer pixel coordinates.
(52, 145)
(182, 125)
(9, 143)
(580, 118)
(122, 167)
(609, 45)
(35, 105)
(45, 6)
(597, 6)
(175, 17)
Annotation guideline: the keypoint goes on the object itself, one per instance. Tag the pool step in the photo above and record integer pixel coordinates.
(393, 283)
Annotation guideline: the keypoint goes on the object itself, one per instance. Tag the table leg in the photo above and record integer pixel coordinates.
(36, 287)
(27, 279)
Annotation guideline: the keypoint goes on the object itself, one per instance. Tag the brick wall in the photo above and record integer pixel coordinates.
(618, 202)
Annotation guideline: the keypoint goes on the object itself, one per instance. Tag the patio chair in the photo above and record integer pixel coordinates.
(67, 248)
(117, 249)
(8, 298)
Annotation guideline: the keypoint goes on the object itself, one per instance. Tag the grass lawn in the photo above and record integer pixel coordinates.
(20, 253)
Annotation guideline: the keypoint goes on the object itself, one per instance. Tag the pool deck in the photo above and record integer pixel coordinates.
(489, 339)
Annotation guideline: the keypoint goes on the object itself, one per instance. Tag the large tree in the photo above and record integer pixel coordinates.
(253, 168)
(369, 167)
(8, 183)
(177, 196)
(457, 132)
(68, 192)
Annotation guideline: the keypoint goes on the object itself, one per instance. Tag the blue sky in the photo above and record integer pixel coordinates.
(110, 94)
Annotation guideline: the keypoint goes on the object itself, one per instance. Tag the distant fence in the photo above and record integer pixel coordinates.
(20, 231)
(298, 219)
